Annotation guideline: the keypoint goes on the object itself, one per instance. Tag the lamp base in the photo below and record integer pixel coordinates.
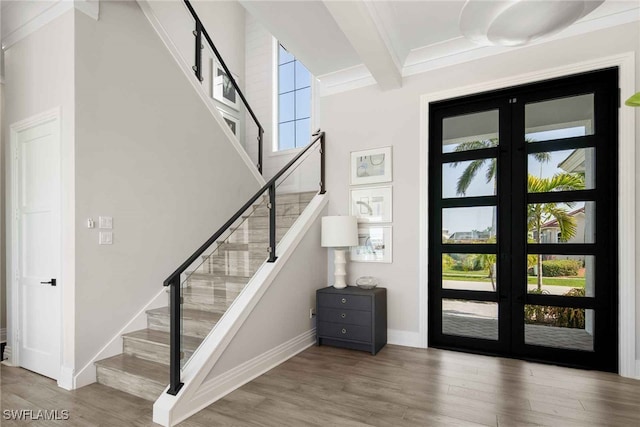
(340, 270)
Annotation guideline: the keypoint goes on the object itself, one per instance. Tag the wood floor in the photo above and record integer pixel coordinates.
(398, 387)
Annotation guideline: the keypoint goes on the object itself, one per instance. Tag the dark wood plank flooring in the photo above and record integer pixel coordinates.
(398, 387)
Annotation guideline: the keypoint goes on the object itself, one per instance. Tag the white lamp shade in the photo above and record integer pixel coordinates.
(339, 231)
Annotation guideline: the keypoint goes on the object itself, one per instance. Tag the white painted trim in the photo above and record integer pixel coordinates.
(457, 51)
(208, 101)
(626, 189)
(33, 23)
(3, 335)
(345, 80)
(637, 369)
(65, 378)
(404, 338)
(169, 410)
(13, 291)
(8, 355)
(218, 387)
(87, 375)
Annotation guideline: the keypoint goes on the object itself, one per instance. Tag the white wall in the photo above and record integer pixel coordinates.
(367, 118)
(261, 84)
(39, 76)
(283, 311)
(224, 21)
(150, 155)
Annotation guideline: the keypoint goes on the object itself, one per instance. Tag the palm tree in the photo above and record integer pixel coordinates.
(485, 262)
(540, 213)
(475, 166)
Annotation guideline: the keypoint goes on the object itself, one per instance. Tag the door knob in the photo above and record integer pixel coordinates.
(51, 282)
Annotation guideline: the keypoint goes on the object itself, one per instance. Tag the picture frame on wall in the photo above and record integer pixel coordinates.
(374, 244)
(223, 89)
(372, 204)
(371, 166)
(231, 121)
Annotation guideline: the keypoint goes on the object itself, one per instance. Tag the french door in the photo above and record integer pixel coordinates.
(523, 222)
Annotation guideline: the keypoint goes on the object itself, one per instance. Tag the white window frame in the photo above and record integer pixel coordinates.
(275, 142)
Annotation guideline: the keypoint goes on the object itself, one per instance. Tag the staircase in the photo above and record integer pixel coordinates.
(208, 291)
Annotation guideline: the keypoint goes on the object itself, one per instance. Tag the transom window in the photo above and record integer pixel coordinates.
(294, 102)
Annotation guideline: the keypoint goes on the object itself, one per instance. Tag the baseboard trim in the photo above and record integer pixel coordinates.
(65, 378)
(637, 369)
(8, 360)
(87, 375)
(404, 338)
(3, 335)
(218, 387)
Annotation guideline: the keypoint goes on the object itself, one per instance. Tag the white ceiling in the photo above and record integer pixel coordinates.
(380, 41)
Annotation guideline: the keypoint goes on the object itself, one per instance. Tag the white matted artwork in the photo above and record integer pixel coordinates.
(223, 90)
(374, 244)
(231, 121)
(372, 204)
(371, 166)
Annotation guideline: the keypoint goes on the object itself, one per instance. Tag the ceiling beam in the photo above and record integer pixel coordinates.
(357, 24)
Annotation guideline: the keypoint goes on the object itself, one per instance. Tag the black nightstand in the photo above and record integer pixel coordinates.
(352, 318)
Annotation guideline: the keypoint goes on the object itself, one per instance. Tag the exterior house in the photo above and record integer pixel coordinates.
(148, 167)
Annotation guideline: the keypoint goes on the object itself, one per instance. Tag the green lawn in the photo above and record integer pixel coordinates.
(481, 276)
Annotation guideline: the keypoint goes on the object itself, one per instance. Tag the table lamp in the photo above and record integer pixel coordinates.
(339, 232)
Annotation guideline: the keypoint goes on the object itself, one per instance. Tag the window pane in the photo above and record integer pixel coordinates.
(568, 169)
(303, 77)
(561, 222)
(303, 103)
(469, 179)
(286, 135)
(566, 275)
(284, 56)
(286, 107)
(559, 327)
(469, 225)
(472, 272)
(285, 78)
(470, 318)
(559, 118)
(470, 132)
(303, 132)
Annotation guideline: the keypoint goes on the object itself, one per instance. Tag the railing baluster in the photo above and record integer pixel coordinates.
(272, 222)
(260, 138)
(174, 333)
(198, 59)
(322, 166)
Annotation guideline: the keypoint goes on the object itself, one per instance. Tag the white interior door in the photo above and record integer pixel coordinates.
(37, 175)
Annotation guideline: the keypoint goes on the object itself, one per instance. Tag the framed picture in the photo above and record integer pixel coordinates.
(373, 204)
(233, 122)
(374, 245)
(371, 166)
(223, 90)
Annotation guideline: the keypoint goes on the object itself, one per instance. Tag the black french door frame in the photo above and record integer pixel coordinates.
(511, 199)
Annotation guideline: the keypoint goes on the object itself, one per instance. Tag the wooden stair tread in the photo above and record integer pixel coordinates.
(162, 338)
(151, 371)
(189, 314)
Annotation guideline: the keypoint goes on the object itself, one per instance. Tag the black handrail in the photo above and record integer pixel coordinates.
(197, 69)
(174, 279)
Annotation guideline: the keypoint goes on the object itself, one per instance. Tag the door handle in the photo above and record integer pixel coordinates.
(51, 282)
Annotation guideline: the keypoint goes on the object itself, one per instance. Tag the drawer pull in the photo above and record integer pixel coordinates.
(343, 315)
(344, 331)
(344, 300)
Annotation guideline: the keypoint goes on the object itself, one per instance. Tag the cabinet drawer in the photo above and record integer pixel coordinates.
(344, 331)
(352, 302)
(351, 317)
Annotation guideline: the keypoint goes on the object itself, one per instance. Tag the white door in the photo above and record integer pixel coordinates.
(37, 227)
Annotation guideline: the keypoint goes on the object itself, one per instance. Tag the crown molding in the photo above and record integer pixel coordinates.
(460, 50)
(29, 17)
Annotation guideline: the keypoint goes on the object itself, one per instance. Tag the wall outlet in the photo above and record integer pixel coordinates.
(312, 312)
(105, 222)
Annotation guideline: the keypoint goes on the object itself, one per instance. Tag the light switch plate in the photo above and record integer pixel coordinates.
(105, 238)
(106, 222)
